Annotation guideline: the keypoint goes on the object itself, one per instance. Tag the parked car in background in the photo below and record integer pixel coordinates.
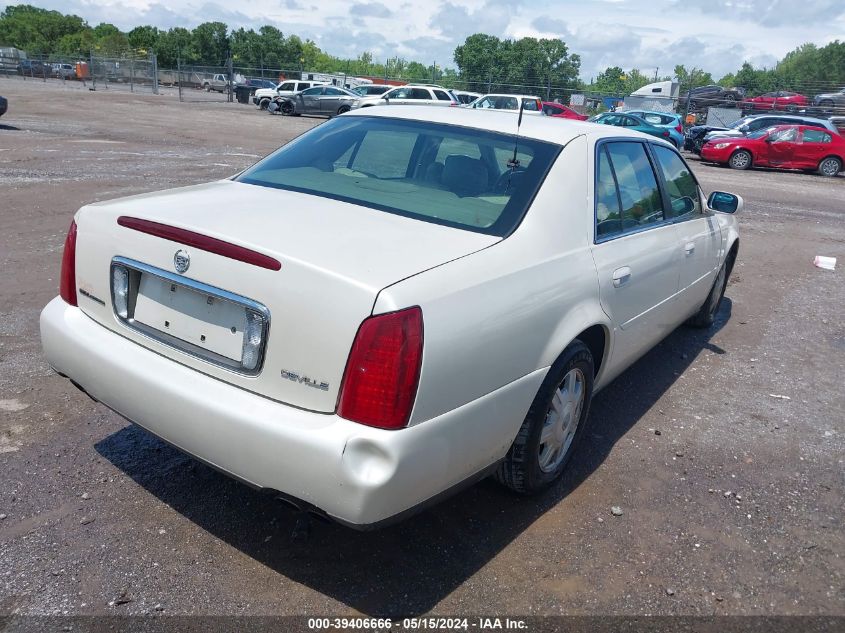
(33, 68)
(63, 71)
(410, 95)
(4, 105)
(698, 134)
(263, 96)
(386, 318)
(666, 120)
(259, 84)
(218, 82)
(321, 100)
(712, 95)
(778, 100)
(561, 111)
(830, 99)
(782, 146)
(367, 90)
(631, 122)
(465, 97)
(531, 104)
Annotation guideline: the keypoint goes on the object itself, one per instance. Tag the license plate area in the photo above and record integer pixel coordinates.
(200, 320)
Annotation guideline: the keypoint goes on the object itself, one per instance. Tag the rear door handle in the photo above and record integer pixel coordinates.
(689, 248)
(621, 276)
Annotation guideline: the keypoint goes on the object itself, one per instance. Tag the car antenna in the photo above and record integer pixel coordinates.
(513, 163)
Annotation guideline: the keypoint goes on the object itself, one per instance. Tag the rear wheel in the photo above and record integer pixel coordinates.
(264, 103)
(554, 424)
(343, 108)
(740, 160)
(830, 166)
(287, 108)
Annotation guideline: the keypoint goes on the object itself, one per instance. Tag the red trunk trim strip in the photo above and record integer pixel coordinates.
(200, 241)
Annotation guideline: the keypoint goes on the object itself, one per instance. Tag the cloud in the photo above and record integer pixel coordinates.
(370, 10)
(772, 13)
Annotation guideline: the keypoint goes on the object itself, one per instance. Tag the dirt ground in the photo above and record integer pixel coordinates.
(734, 507)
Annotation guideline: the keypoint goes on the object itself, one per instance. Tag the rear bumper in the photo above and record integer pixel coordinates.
(356, 474)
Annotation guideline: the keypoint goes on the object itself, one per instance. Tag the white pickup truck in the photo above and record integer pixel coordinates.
(263, 96)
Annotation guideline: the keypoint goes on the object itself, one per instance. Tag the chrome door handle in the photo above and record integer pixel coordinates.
(621, 276)
(689, 248)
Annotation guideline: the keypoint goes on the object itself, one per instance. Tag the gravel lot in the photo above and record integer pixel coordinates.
(734, 507)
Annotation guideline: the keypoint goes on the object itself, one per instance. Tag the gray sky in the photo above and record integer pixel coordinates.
(717, 35)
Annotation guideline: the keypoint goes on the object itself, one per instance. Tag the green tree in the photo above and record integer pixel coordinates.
(143, 37)
(36, 30)
(211, 43)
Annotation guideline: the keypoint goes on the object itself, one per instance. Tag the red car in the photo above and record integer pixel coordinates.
(780, 100)
(783, 146)
(561, 111)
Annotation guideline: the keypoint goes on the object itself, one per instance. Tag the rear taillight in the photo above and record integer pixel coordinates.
(383, 370)
(680, 128)
(67, 284)
(666, 133)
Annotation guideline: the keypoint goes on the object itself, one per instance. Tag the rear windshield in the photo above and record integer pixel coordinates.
(445, 174)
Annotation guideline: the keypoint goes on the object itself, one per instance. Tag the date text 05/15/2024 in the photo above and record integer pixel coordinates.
(422, 623)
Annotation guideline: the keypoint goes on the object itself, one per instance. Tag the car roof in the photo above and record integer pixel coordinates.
(560, 131)
(791, 117)
(503, 94)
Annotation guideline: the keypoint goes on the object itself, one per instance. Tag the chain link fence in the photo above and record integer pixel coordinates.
(138, 71)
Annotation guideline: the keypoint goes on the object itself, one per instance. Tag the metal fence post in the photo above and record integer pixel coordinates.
(179, 76)
(231, 78)
(132, 73)
(93, 74)
(154, 64)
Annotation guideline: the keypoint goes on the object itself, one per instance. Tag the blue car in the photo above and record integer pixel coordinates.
(668, 120)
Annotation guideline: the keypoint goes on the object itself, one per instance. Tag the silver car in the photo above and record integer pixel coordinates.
(321, 100)
(830, 99)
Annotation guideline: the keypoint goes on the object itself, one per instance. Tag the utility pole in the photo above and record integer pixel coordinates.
(655, 73)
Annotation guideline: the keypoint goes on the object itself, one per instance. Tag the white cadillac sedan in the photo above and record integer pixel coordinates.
(393, 305)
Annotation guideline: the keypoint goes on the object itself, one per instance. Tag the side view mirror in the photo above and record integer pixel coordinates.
(725, 202)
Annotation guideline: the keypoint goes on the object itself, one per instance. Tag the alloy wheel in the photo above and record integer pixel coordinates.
(562, 420)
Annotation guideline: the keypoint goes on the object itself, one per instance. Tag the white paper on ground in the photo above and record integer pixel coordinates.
(828, 263)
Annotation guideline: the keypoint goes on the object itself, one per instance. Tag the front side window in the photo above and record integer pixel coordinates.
(444, 174)
(311, 92)
(680, 184)
(640, 203)
(288, 86)
(784, 136)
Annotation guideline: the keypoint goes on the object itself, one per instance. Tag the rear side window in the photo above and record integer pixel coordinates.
(817, 136)
(639, 202)
(680, 184)
(419, 93)
(442, 96)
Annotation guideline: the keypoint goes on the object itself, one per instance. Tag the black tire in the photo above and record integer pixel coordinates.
(740, 159)
(521, 470)
(287, 108)
(830, 166)
(826, 103)
(730, 101)
(343, 108)
(706, 315)
(263, 103)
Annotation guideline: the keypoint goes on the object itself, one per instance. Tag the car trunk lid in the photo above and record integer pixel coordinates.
(334, 259)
